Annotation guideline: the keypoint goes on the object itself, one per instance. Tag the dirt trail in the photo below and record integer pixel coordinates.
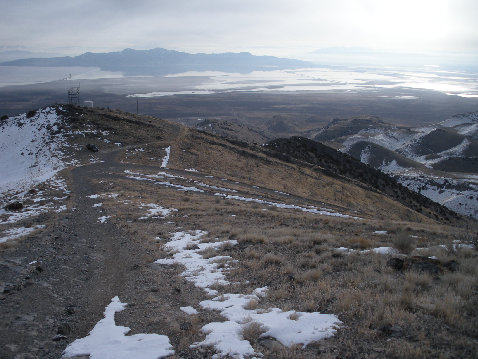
(80, 265)
(62, 278)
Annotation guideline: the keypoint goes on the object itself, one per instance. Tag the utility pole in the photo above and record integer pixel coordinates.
(137, 105)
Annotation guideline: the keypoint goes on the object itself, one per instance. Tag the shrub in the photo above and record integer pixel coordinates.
(404, 243)
(14, 206)
(252, 304)
(252, 332)
(310, 276)
(31, 113)
(362, 243)
(272, 259)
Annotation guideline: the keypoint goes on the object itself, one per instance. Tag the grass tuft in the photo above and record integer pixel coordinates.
(403, 242)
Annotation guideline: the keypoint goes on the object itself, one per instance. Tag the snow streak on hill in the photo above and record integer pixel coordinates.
(459, 195)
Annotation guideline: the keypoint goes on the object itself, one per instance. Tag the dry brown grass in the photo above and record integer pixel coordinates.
(213, 155)
(310, 276)
(252, 332)
(271, 259)
(360, 243)
(304, 274)
(292, 253)
(404, 242)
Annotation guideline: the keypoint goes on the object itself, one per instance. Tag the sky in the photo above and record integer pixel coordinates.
(291, 28)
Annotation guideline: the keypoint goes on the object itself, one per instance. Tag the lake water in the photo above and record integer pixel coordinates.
(309, 79)
(25, 75)
(329, 79)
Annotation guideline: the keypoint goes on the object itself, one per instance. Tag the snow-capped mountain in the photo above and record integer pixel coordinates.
(439, 161)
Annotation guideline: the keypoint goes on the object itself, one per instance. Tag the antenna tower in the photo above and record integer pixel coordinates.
(74, 95)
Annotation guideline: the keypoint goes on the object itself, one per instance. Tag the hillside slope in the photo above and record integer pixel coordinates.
(198, 247)
(346, 167)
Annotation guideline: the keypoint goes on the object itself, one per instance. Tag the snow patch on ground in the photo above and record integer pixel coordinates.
(15, 233)
(162, 175)
(314, 210)
(201, 184)
(164, 164)
(456, 246)
(392, 167)
(156, 211)
(365, 155)
(288, 327)
(103, 219)
(139, 177)
(36, 202)
(445, 248)
(61, 209)
(382, 250)
(59, 184)
(31, 211)
(103, 195)
(109, 341)
(30, 153)
(282, 193)
(204, 273)
(378, 250)
(189, 310)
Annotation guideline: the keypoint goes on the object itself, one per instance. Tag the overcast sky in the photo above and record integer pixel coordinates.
(276, 27)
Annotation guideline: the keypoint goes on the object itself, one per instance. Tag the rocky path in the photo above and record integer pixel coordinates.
(61, 279)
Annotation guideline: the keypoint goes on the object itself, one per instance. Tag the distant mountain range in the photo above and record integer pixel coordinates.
(346, 56)
(161, 62)
(10, 55)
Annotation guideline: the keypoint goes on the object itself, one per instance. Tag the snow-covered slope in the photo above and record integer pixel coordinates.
(30, 149)
(459, 195)
(449, 146)
(466, 124)
(427, 145)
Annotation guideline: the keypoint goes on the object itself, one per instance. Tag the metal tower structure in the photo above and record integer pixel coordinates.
(74, 95)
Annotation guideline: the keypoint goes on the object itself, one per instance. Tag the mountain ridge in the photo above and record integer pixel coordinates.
(340, 164)
(160, 61)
